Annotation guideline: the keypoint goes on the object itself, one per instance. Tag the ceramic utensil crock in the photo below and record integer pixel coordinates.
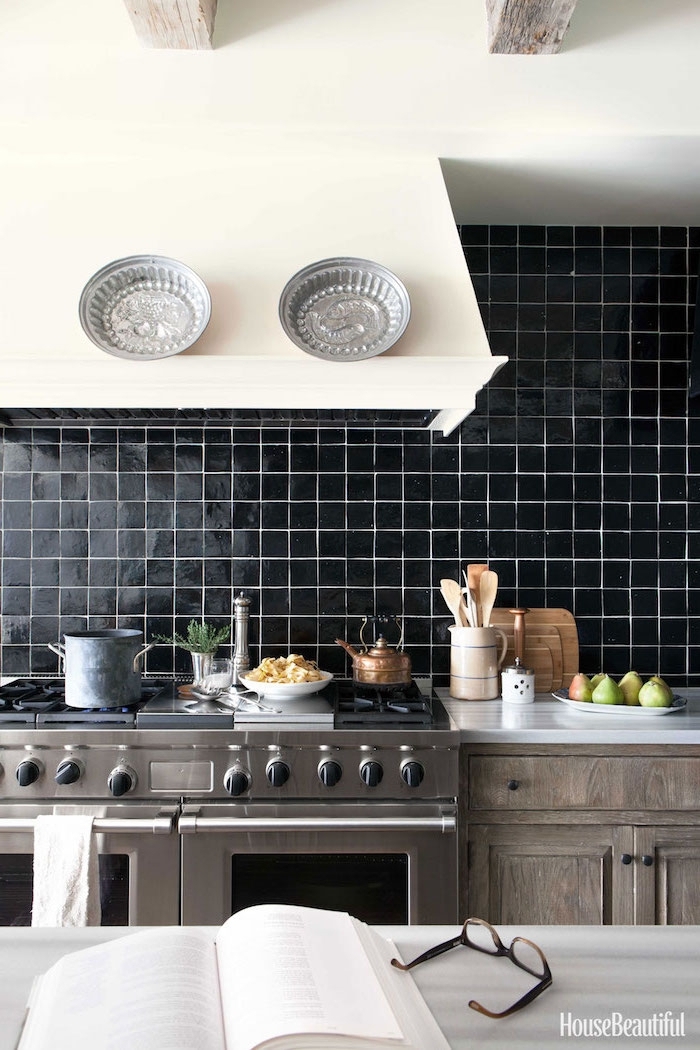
(475, 659)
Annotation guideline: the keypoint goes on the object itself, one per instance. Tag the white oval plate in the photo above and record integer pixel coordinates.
(679, 703)
(285, 690)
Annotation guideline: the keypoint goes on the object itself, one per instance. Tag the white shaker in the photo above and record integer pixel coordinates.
(517, 684)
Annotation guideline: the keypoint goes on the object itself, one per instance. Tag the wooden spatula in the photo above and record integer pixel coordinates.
(452, 593)
(488, 589)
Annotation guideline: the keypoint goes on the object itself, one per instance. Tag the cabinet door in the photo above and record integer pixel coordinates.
(532, 874)
(667, 874)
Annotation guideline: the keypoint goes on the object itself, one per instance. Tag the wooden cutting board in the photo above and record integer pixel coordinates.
(541, 626)
(543, 654)
(539, 659)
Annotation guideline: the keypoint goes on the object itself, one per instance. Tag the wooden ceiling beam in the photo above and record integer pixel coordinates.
(176, 24)
(527, 27)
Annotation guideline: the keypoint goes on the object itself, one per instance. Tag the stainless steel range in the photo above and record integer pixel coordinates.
(201, 809)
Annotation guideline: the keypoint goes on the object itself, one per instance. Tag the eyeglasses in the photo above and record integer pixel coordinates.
(483, 937)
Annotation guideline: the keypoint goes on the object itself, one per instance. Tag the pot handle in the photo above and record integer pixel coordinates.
(140, 653)
(59, 650)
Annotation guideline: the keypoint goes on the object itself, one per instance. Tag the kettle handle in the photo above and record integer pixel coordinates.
(382, 618)
(142, 652)
(59, 650)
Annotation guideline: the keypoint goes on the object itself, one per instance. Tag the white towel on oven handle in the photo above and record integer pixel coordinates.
(66, 871)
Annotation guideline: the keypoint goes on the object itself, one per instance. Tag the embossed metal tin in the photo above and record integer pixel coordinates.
(344, 309)
(144, 307)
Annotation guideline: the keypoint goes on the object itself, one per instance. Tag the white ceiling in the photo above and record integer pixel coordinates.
(607, 131)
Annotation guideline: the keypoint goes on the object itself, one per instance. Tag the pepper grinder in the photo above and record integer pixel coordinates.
(241, 659)
(518, 681)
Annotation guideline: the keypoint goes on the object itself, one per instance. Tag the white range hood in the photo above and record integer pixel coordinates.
(245, 226)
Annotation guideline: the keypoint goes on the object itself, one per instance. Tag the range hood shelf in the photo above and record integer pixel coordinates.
(245, 226)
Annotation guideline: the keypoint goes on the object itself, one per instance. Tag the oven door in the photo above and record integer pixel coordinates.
(381, 862)
(138, 849)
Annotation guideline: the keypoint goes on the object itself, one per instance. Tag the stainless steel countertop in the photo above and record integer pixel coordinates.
(548, 721)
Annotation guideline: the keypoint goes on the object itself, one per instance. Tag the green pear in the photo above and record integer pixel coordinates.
(655, 694)
(659, 681)
(597, 679)
(630, 684)
(580, 688)
(607, 692)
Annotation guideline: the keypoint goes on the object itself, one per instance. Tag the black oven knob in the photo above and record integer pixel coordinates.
(121, 780)
(412, 773)
(236, 782)
(371, 772)
(278, 772)
(330, 772)
(27, 772)
(68, 772)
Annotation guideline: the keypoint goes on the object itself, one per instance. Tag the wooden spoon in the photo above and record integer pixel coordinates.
(474, 574)
(487, 595)
(452, 593)
(472, 578)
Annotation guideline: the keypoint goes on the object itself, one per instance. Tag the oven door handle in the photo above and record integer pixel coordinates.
(192, 822)
(162, 824)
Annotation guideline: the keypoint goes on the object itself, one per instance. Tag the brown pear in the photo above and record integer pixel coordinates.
(580, 688)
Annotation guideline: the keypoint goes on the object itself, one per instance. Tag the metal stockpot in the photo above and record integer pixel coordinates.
(101, 668)
(380, 664)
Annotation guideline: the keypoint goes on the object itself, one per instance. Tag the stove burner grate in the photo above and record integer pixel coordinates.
(391, 705)
(43, 701)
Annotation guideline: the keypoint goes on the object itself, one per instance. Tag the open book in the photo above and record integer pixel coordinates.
(273, 976)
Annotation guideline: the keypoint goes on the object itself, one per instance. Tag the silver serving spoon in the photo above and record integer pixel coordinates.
(250, 698)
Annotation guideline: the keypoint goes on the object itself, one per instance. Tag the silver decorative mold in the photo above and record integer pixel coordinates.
(344, 309)
(144, 307)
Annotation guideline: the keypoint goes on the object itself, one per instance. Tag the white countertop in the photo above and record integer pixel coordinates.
(549, 721)
(632, 973)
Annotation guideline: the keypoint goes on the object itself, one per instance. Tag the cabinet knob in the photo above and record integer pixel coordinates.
(626, 858)
(513, 785)
(647, 861)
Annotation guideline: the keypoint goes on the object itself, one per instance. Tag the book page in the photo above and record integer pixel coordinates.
(285, 970)
(419, 1026)
(154, 990)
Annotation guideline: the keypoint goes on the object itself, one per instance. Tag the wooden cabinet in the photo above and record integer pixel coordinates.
(580, 838)
(668, 878)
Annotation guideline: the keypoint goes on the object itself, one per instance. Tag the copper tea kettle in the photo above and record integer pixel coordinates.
(380, 664)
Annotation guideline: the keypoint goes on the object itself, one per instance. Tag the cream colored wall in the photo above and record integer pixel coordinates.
(608, 125)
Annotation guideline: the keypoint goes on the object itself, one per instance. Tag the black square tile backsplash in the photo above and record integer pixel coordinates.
(576, 478)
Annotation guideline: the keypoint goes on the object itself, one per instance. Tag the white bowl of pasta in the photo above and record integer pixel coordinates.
(288, 676)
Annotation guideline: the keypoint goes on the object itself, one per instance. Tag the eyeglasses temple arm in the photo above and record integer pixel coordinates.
(524, 1001)
(431, 953)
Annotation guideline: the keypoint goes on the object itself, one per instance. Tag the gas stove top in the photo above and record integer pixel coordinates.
(167, 704)
(383, 746)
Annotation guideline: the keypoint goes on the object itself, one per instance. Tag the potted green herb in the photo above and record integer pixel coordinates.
(202, 641)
